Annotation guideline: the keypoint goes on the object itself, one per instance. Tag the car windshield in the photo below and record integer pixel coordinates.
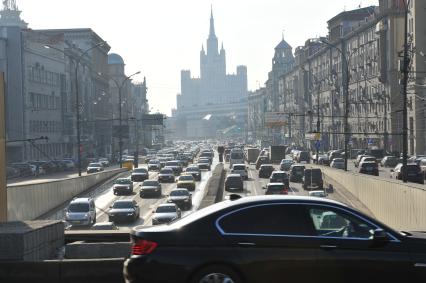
(179, 193)
(78, 207)
(122, 204)
(237, 155)
(192, 169)
(172, 163)
(165, 209)
(95, 165)
(275, 187)
(239, 167)
(186, 178)
(150, 183)
(279, 175)
(123, 181)
(166, 171)
(140, 170)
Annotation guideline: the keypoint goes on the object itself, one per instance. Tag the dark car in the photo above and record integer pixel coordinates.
(181, 197)
(166, 175)
(122, 186)
(414, 173)
(176, 166)
(304, 156)
(204, 163)
(276, 188)
(266, 170)
(312, 178)
(261, 160)
(150, 187)
(389, 161)
(195, 171)
(234, 182)
(286, 164)
(276, 239)
(139, 175)
(280, 177)
(296, 173)
(369, 167)
(124, 210)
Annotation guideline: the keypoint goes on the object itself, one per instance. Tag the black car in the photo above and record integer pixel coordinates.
(166, 175)
(150, 187)
(312, 178)
(276, 188)
(296, 173)
(139, 175)
(181, 197)
(280, 177)
(261, 160)
(122, 186)
(304, 156)
(266, 170)
(276, 239)
(124, 210)
(414, 173)
(195, 171)
(234, 182)
(369, 167)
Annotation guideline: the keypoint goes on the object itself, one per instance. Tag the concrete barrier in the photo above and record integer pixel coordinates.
(401, 206)
(27, 202)
(214, 187)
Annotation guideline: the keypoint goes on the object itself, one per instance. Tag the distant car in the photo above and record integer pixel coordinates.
(181, 197)
(318, 194)
(358, 159)
(323, 159)
(261, 160)
(280, 177)
(139, 175)
(151, 187)
(414, 173)
(266, 170)
(69, 164)
(94, 168)
(296, 173)
(304, 156)
(204, 163)
(81, 212)
(369, 167)
(166, 175)
(175, 165)
(186, 181)
(195, 171)
(123, 186)
(389, 161)
(276, 189)
(240, 169)
(104, 226)
(234, 182)
(104, 162)
(154, 165)
(166, 213)
(124, 210)
(286, 164)
(338, 163)
(312, 178)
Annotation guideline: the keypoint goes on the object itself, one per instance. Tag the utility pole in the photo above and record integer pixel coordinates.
(3, 181)
(318, 122)
(289, 127)
(404, 95)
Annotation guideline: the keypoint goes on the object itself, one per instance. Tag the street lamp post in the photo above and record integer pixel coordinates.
(345, 85)
(77, 99)
(120, 135)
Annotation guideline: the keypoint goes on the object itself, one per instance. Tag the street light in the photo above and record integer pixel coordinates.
(120, 137)
(345, 85)
(77, 102)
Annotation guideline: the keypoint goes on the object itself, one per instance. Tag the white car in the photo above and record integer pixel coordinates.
(240, 169)
(338, 163)
(166, 213)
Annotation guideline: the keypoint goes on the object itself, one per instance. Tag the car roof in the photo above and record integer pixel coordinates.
(166, 204)
(275, 184)
(233, 175)
(179, 189)
(279, 172)
(124, 200)
(81, 200)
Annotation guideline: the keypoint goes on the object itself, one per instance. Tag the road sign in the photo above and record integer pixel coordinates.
(370, 141)
(317, 144)
(275, 119)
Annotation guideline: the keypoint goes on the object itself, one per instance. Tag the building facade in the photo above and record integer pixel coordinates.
(216, 102)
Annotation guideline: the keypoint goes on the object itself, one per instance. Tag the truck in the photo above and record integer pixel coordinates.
(252, 154)
(277, 153)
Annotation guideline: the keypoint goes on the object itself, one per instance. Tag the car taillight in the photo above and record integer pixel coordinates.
(143, 247)
(285, 192)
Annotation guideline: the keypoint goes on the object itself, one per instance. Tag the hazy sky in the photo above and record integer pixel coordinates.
(162, 37)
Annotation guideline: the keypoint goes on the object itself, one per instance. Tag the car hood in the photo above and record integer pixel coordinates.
(165, 175)
(186, 182)
(165, 215)
(138, 174)
(121, 211)
(149, 188)
(122, 185)
(76, 216)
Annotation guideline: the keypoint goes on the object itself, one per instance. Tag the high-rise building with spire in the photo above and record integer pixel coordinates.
(214, 93)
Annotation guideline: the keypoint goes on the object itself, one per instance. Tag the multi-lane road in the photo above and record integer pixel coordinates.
(104, 197)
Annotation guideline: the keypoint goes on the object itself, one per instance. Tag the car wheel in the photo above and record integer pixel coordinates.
(94, 220)
(216, 273)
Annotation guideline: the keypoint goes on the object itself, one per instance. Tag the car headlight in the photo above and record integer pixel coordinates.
(130, 214)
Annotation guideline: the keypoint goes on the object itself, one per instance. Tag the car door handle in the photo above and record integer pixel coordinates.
(328, 247)
(246, 244)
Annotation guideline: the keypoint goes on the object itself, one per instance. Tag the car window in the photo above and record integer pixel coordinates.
(150, 183)
(123, 204)
(331, 222)
(186, 178)
(272, 219)
(78, 207)
(179, 193)
(165, 209)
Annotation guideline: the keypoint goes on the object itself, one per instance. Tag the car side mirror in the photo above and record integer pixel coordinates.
(380, 236)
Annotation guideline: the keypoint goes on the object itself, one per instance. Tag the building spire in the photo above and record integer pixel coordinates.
(212, 33)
